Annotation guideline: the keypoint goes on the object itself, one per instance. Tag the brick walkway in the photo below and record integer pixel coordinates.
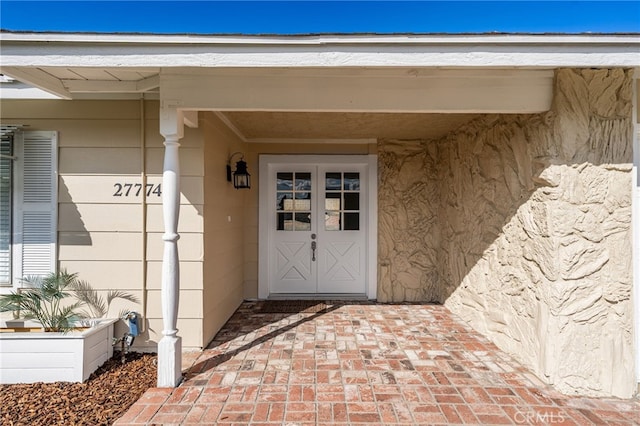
(363, 364)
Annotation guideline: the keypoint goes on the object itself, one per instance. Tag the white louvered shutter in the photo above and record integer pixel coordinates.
(6, 173)
(35, 197)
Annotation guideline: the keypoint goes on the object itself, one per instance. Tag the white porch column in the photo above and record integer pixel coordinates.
(170, 346)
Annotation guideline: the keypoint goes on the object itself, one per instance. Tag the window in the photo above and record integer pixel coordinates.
(28, 205)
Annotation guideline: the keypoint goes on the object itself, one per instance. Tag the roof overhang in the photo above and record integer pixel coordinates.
(66, 64)
(122, 51)
(410, 73)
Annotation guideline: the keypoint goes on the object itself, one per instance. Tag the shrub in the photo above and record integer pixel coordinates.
(43, 301)
(43, 298)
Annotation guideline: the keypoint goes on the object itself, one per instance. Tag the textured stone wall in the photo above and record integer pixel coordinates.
(526, 232)
(408, 222)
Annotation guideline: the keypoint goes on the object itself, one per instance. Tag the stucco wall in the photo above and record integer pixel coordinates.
(100, 235)
(527, 230)
(408, 222)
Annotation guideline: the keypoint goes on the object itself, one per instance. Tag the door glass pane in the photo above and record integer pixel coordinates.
(303, 222)
(303, 181)
(342, 201)
(352, 181)
(332, 221)
(283, 201)
(352, 201)
(333, 181)
(284, 181)
(332, 201)
(303, 201)
(352, 221)
(293, 195)
(285, 222)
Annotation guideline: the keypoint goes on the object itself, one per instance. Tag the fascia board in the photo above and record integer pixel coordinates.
(229, 57)
(466, 51)
(315, 39)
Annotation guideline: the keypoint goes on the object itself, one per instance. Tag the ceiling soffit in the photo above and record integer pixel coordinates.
(256, 126)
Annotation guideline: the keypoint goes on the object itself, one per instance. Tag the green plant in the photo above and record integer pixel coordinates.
(43, 298)
(43, 301)
(98, 307)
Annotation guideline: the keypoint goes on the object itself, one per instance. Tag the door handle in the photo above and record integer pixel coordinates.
(313, 250)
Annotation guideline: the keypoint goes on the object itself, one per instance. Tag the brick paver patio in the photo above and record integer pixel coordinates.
(363, 363)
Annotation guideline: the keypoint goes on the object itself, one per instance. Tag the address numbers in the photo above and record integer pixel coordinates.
(134, 189)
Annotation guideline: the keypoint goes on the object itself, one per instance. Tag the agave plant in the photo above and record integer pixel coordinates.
(43, 301)
(98, 306)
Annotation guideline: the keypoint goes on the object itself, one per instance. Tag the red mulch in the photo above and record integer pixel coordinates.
(101, 400)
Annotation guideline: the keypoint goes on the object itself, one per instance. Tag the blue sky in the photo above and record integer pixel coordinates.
(292, 17)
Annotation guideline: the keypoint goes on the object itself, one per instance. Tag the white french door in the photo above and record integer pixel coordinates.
(317, 228)
(293, 232)
(341, 229)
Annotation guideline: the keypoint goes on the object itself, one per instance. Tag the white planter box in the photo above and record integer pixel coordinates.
(51, 357)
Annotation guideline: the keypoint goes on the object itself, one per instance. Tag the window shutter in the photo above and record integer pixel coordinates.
(35, 197)
(6, 172)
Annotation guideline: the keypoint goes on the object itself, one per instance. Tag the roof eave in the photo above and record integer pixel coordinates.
(322, 38)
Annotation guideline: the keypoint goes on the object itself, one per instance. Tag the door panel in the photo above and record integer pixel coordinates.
(342, 236)
(292, 268)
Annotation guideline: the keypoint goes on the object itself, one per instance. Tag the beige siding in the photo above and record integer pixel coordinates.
(91, 133)
(191, 190)
(71, 111)
(190, 218)
(91, 217)
(190, 304)
(123, 275)
(100, 234)
(80, 189)
(99, 161)
(224, 224)
(100, 246)
(191, 163)
(190, 275)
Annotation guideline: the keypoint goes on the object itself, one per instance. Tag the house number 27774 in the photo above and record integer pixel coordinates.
(134, 189)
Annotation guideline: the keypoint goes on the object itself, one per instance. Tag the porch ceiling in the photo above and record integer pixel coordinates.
(284, 126)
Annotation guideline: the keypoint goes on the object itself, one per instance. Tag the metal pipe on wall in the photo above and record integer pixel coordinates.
(143, 177)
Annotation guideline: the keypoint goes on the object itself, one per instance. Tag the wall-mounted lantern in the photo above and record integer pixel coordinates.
(241, 177)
